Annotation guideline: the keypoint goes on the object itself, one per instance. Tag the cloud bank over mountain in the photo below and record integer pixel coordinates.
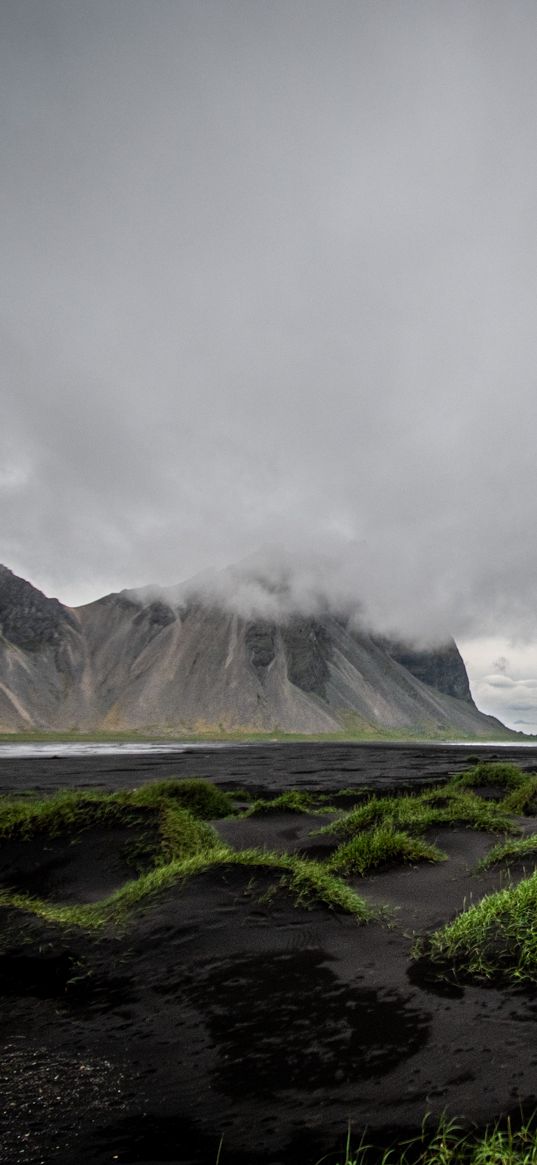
(271, 275)
(150, 663)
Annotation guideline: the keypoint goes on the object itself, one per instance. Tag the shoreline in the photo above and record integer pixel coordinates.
(253, 766)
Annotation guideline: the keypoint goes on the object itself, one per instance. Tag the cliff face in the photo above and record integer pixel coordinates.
(28, 620)
(149, 663)
(442, 668)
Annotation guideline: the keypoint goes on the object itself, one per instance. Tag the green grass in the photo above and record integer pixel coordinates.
(291, 801)
(495, 938)
(495, 774)
(513, 850)
(381, 846)
(182, 835)
(71, 812)
(308, 881)
(523, 799)
(201, 797)
(353, 729)
(63, 812)
(417, 813)
(115, 909)
(450, 806)
(162, 829)
(371, 813)
(500, 1144)
(180, 842)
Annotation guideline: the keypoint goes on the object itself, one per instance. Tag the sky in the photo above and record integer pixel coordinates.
(270, 281)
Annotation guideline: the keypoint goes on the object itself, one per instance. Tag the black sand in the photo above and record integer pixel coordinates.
(261, 767)
(224, 1010)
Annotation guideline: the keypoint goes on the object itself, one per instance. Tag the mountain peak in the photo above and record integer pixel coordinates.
(28, 619)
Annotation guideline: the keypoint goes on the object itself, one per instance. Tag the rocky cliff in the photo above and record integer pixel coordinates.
(149, 662)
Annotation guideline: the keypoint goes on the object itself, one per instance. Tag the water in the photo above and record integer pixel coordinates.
(92, 748)
(48, 766)
(75, 748)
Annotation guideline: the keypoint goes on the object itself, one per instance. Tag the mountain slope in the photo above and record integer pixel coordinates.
(149, 662)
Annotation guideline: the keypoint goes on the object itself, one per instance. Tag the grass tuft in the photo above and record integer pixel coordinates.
(380, 846)
(513, 850)
(71, 812)
(496, 938)
(183, 835)
(446, 806)
(495, 774)
(292, 801)
(202, 798)
(65, 812)
(500, 1144)
(523, 799)
(309, 881)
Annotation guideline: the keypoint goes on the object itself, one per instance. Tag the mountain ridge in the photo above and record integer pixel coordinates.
(140, 661)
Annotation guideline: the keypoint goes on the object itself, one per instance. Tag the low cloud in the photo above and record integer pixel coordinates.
(271, 285)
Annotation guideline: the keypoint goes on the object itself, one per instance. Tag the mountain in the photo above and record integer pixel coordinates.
(181, 661)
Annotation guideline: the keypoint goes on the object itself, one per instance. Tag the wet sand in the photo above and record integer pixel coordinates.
(226, 1010)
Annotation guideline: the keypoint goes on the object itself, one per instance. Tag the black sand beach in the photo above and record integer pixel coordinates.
(264, 767)
(226, 1010)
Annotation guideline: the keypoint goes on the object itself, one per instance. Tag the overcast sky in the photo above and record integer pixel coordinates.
(270, 278)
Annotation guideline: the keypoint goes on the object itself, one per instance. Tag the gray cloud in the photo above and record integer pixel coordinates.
(271, 280)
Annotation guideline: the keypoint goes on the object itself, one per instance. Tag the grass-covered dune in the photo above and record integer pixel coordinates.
(191, 974)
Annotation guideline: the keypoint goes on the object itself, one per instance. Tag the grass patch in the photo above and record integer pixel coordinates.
(71, 812)
(116, 908)
(182, 835)
(66, 812)
(371, 813)
(496, 938)
(158, 828)
(308, 881)
(291, 801)
(353, 729)
(455, 807)
(513, 850)
(492, 774)
(202, 798)
(446, 806)
(523, 799)
(500, 1144)
(381, 846)
(184, 844)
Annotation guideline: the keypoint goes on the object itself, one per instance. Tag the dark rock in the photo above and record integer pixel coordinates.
(27, 618)
(155, 615)
(441, 668)
(260, 642)
(307, 647)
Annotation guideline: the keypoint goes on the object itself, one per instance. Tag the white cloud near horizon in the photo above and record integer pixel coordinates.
(511, 695)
